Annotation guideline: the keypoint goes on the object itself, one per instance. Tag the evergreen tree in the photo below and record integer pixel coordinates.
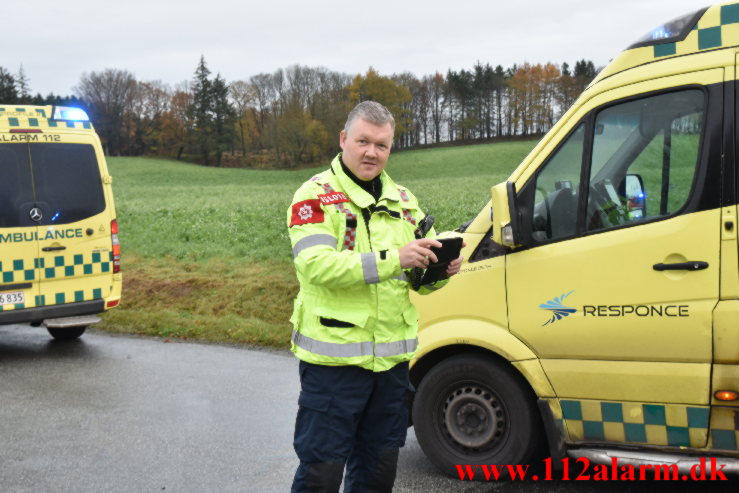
(24, 89)
(584, 73)
(224, 117)
(8, 88)
(200, 113)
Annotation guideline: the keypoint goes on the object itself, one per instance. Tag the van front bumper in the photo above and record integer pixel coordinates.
(39, 314)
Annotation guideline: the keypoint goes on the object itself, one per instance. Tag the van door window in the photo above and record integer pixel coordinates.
(16, 196)
(644, 158)
(556, 191)
(67, 182)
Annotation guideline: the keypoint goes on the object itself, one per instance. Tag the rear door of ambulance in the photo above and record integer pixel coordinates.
(71, 189)
(19, 275)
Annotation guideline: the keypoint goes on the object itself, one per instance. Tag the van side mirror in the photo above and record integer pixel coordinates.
(632, 189)
(505, 216)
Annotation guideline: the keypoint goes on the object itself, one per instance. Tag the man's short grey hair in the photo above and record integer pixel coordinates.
(371, 111)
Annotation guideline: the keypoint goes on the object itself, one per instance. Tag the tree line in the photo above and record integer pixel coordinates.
(292, 116)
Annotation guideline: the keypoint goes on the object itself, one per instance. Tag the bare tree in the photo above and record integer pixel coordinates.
(151, 101)
(265, 96)
(109, 96)
(243, 97)
(437, 85)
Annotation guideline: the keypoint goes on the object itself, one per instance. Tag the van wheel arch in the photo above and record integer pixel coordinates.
(421, 367)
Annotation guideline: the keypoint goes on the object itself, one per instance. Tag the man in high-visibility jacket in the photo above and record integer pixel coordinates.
(353, 233)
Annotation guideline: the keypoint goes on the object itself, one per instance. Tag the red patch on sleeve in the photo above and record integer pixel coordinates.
(307, 211)
(333, 198)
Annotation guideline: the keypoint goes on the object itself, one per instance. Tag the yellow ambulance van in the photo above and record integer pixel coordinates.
(59, 250)
(597, 315)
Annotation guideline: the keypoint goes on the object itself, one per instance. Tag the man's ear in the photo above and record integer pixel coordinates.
(342, 139)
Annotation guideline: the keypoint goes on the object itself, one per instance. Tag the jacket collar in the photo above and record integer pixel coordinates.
(356, 193)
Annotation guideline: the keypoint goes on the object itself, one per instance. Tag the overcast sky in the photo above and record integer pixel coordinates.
(57, 41)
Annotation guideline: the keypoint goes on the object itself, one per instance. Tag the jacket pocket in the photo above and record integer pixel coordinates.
(332, 322)
(410, 315)
(313, 427)
(347, 316)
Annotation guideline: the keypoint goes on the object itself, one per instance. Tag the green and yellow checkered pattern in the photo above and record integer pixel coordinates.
(30, 118)
(725, 428)
(60, 266)
(632, 422)
(17, 271)
(718, 27)
(75, 265)
(671, 425)
(57, 267)
(61, 298)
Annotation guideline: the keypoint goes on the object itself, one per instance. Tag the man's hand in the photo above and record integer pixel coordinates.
(456, 264)
(418, 253)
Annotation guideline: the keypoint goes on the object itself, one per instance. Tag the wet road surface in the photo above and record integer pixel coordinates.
(112, 413)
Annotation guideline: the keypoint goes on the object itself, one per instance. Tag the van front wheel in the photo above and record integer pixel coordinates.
(470, 409)
(67, 333)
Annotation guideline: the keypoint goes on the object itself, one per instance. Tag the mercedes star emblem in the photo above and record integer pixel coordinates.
(36, 214)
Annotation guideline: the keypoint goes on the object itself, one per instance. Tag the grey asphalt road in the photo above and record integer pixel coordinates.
(124, 414)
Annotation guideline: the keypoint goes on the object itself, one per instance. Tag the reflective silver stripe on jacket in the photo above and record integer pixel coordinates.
(385, 349)
(402, 277)
(332, 349)
(369, 268)
(352, 349)
(314, 240)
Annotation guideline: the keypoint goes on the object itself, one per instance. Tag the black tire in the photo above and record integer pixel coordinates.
(67, 333)
(470, 409)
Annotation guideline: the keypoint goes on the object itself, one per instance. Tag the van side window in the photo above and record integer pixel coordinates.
(68, 183)
(16, 197)
(554, 214)
(644, 158)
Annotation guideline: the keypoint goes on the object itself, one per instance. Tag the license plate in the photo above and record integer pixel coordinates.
(12, 298)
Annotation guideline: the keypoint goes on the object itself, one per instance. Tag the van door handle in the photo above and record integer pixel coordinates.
(54, 249)
(696, 265)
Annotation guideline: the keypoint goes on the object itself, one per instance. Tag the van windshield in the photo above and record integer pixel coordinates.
(61, 180)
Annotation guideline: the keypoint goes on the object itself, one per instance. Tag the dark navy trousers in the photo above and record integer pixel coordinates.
(349, 418)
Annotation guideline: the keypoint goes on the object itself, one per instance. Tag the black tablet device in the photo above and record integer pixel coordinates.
(436, 271)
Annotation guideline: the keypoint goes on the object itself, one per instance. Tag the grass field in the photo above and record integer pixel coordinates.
(206, 253)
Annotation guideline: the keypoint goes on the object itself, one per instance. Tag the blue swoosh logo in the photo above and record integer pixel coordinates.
(557, 308)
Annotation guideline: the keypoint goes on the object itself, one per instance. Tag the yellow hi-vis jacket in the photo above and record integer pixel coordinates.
(353, 306)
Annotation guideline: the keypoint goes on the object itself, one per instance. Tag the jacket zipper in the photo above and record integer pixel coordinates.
(366, 215)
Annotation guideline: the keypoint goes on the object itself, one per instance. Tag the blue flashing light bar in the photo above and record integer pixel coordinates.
(661, 33)
(670, 32)
(70, 114)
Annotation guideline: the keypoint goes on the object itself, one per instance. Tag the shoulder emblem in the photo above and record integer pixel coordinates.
(305, 212)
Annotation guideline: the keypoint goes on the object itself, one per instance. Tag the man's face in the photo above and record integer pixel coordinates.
(366, 147)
